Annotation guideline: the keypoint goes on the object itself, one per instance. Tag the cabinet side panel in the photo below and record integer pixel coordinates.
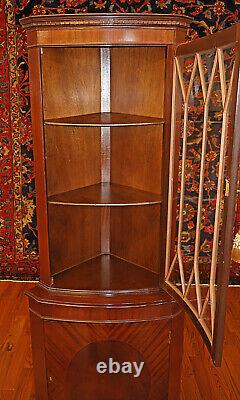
(176, 353)
(73, 157)
(39, 161)
(71, 81)
(137, 80)
(75, 235)
(136, 157)
(166, 154)
(38, 352)
(134, 235)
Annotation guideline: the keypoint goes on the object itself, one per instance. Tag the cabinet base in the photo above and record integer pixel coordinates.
(120, 348)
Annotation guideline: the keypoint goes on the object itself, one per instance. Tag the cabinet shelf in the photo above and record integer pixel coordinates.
(105, 119)
(106, 273)
(105, 194)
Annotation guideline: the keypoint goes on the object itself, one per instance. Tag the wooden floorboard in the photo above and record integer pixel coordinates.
(200, 379)
(16, 373)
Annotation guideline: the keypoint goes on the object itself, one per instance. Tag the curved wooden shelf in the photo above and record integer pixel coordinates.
(106, 273)
(105, 194)
(105, 119)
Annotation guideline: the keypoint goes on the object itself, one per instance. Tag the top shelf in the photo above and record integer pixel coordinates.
(105, 119)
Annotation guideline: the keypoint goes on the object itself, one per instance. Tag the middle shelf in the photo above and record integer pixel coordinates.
(105, 194)
(105, 119)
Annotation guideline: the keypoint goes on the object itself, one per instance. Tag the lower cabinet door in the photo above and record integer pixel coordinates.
(108, 361)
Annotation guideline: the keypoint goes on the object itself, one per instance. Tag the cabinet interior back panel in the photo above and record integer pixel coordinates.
(137, 80)
(71, 81)
(75, 235)
(136, 157)
(73, 157)
(134, 235)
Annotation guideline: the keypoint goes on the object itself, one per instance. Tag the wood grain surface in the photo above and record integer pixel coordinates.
(200, 380)
(73, 158)
(136, 157)
(67, 97)
(105, 193)
(105, 119)
(66, 338)
(106, 272)
(144, 96)
(79, 245)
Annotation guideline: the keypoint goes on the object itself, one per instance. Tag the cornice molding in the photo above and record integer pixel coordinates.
(105, 20)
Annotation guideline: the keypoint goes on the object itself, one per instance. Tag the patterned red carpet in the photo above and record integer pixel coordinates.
(18, 233)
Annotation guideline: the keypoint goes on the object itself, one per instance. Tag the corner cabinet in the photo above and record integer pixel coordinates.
(135, 148)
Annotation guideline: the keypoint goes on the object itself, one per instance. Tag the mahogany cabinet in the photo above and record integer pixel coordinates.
(136, 145)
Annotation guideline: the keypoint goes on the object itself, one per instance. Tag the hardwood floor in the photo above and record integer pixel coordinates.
(16, 375)
(200, 379)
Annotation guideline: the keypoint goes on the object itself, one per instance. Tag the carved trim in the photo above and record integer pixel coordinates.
(105, 20)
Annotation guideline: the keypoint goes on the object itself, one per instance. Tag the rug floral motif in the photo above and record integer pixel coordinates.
(18, 227)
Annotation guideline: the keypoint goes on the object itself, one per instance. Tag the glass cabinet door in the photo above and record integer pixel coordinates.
(203, 180)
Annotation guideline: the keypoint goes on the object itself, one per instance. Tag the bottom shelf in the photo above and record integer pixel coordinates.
(106, 273)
